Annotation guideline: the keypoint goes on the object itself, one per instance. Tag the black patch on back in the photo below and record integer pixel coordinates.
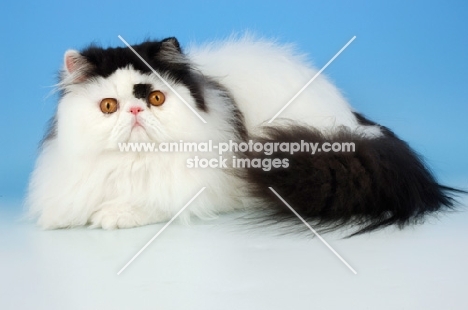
(141, 91)
(238, 120)
(172, 65)
(362, 120)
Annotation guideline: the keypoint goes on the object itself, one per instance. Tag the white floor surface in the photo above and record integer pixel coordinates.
(220, 265)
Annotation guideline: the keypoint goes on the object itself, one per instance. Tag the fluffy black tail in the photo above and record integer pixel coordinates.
(383, 182)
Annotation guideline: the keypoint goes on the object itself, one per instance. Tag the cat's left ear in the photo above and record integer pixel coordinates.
(170, 45)
(75, 67)
(170, 51)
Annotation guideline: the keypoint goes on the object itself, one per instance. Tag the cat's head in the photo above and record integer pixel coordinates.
(111, 96)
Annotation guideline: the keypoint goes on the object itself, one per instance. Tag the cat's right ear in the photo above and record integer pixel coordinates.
(75, 67)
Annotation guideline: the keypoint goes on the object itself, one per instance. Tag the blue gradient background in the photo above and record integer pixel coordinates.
(407, 68)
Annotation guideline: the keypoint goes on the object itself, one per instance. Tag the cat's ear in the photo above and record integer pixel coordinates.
(75, 67)
(170, 52)
(170, 45)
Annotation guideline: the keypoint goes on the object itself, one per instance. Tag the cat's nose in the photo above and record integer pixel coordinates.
(135, 110)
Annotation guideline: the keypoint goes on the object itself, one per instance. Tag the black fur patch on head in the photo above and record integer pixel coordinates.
(141, 91)
(164, 56)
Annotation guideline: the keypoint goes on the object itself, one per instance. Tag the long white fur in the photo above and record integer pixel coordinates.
(264, 76)
(81, 177)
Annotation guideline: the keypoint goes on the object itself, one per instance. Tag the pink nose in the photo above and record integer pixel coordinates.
(135, 110)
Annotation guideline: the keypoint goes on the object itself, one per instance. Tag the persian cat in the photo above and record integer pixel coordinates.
(109, 96)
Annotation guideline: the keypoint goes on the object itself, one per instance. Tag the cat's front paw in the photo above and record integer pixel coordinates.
(115, 217)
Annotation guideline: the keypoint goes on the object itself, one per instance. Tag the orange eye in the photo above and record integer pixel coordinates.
(156, 98)
(109, 105)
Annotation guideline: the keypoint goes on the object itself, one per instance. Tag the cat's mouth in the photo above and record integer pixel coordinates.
(138, 130)
(137, 124)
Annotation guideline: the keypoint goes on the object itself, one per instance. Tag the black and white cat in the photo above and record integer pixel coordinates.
(110, 96)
